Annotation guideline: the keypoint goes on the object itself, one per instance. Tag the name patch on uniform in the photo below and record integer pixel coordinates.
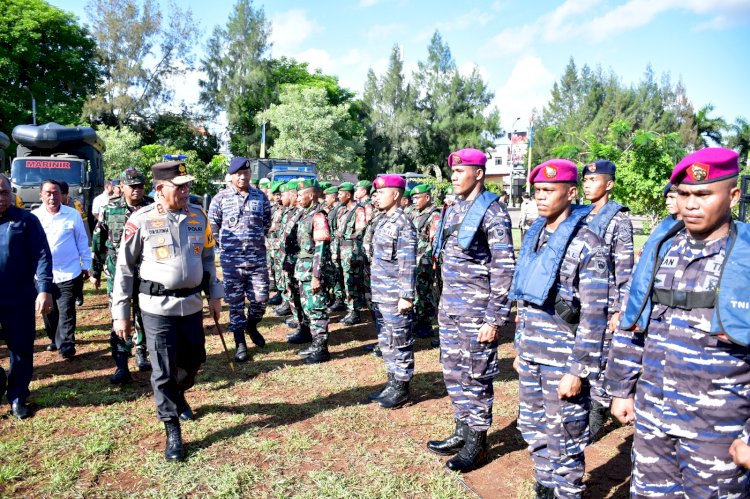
(161, 230)
(669, 262)
(194, 229)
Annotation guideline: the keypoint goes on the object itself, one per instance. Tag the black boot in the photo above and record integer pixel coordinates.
(375, 396)
(338, 306)
(452, 444)
(186, 412)
(423, 330)
(319, 351)
(397, 396)
(252, 330)
(275, 300)
(542, 492)
(283, 309)
(122, 374)
(301, 336)
(351, 318)
(240, 354)
(141, 359)
(472, 454)
(174, 451)
(291, 323)
(435, 343)
(377, 352)
(598, 417)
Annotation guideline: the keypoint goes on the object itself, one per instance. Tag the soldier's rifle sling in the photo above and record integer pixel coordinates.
(224, 343)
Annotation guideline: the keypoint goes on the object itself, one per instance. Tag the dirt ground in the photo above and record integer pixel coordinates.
(274, 427)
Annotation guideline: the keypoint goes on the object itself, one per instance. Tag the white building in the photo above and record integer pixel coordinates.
(504, 156)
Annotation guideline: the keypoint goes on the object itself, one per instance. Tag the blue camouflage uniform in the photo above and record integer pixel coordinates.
(392, 277)
(475, 289)
(241, 223)
(693, 389)
(549, 347)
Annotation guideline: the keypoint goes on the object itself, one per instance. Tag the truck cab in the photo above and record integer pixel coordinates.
(283, 169)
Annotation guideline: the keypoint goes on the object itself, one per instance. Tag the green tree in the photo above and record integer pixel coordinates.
(140, 51)
(310, 127)
(204, 173)
(123, 149)
(740, 139)
(707, 127)
(181, 131)
(44, 49)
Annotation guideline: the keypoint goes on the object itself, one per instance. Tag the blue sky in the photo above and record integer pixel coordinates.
(520, 48)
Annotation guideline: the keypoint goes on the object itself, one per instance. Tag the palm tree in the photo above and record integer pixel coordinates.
(707, 127)
(740, 140)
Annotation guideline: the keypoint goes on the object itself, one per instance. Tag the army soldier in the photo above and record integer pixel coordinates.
(561, 284)
(679, 365)
(290, 243)
(283, 308)
(393, 281)
(670, 200)
(313, 237)
(475, 243)
(105, 245)
(426, 217)
(406, 203)
(350, 229)
(362, 196)
(240, 217)
(170, 242)
(336, 288)
(264, 185)
(272, 245)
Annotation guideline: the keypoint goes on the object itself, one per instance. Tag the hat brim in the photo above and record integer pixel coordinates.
(182, 179)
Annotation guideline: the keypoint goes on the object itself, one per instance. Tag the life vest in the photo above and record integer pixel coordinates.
(468, 227)
(601, 220)
(536, 271)
(732, 300)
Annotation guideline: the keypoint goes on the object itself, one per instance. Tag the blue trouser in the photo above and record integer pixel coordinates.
(241, 283)
(395, 340)
(18, 325)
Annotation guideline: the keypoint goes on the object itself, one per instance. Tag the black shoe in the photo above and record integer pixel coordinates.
(79, 301)
(375, 396)
(397, 396)
(319, 352)
(186, 412)
(52, 347)
(20, 410)
(472, 454)
(174, 450)
(435, 343)
(598, 417)
(302, 335)
(275, 300)
(3, 382)
(351, 318)
(423, 330)
(452, 444)
(291, 323)
(377, 352)
(241, 354)
(121, 377)
(338, 306)
(283, 309)
(67, 352)
(542, 492)
(370, 347)
(141, 359)
(252, 329)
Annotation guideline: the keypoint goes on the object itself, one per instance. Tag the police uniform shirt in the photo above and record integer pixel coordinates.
(174, 249)
(394, 259)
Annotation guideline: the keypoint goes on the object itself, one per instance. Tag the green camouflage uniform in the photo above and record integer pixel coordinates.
(425, 304)
(313, 239)
(350, 230)
(288, 240)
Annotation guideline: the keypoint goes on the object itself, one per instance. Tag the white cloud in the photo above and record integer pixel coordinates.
(380, 31)
(513, 40)
(464, 22)
(317, 59)
(367, 3)
(466, 69)
(526, 88)
(289, 29)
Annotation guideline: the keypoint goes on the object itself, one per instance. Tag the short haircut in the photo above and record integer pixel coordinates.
(6, 180)
(64, 187)
(53, 182)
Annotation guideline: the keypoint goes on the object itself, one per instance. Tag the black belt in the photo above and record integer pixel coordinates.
(686, 300)
(155, 289)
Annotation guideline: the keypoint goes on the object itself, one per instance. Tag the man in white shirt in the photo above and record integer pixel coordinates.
(71, 261)
(100, 201)
(529, 213)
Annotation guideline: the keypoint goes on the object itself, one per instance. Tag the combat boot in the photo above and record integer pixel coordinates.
(472, 454)
(351, 318)
(423, 330)
(283, 309)
(375, 396)
(174, 450)
(598, 417)
(141, 359)
(122, 375)
(252, 329)
(338, 306)
(397, 396)
(319, 351)
(302, 335)
(240, 355)
(186, 412)
(452, 444)
(542, 492)
(275, 300)
(291, 323)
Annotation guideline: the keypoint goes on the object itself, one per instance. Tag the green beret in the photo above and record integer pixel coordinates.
(264, 182)
(292, 185)
(407, 193)
(255, 181)
(275, 186)
(282, 187)
(307, 183)
(346, 186)
(421, 189)
(364, 183)
(325, 185)
(331, 190)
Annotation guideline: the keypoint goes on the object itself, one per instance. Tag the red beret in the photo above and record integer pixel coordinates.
(471, 157)
(555, 170)
(383, 181)
(705, 166)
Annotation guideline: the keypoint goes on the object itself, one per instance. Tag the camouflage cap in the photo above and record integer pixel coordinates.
(346, 186)
(421, 189)
(131, 176)
(331, 190)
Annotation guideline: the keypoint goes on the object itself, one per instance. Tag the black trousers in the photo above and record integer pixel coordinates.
(60, 323)
(18, 325)
(177, 346)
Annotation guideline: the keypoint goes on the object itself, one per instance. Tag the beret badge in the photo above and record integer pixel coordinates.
(550, 171)
(455, 159)
(699, 171)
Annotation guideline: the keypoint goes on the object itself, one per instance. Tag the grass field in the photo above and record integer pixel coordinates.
(273, 428)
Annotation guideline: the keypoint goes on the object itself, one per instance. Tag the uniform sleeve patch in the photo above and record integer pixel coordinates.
(360, 222)
(210, 242)
(321, 231)
(130, 230)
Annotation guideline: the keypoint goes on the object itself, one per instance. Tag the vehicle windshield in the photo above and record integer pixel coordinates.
(32, 171)
(290, 176)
